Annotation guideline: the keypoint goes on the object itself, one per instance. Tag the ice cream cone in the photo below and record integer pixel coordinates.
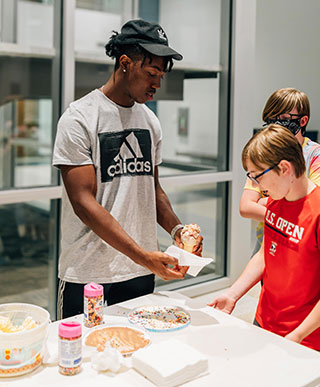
(190, 236)
(188, 247)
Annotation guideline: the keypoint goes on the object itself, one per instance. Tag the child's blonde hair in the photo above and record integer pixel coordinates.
(271, 145)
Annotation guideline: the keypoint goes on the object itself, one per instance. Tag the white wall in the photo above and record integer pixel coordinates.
(287, 52)
(283, 50)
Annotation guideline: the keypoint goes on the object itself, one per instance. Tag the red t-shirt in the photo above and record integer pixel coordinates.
(291, 279)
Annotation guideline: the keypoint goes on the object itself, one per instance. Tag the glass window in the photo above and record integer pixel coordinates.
(27, 73)
(25, 125)
(110, 6)
(27, 252)
(190, 125)
(27, 22)
(93, 67)
(204, 204)
(103, 16)
(90, 76)
(29, 109)
(190, 129)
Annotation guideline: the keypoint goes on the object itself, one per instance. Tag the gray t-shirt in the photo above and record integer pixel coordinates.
(124, 145)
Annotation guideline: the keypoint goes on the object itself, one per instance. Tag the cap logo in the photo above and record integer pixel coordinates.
(162, 35)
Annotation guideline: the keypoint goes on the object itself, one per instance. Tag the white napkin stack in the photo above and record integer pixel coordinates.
(185, 258)
(170, 363)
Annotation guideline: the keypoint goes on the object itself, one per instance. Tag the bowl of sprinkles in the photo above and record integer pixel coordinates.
(157, 318)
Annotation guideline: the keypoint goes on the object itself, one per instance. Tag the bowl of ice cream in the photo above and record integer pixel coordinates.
(23, 333)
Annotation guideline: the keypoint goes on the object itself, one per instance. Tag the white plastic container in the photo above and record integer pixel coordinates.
(22, 352)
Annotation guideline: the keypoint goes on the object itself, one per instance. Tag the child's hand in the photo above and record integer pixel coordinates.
(294, 337)
(224, 303)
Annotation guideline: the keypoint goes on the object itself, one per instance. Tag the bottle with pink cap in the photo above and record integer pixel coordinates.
(70, 348)
(93, 304)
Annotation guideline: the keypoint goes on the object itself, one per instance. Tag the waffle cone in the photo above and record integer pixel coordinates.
(188, 247)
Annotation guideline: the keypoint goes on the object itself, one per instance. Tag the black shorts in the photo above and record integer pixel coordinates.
(70, 295)
(255, 322)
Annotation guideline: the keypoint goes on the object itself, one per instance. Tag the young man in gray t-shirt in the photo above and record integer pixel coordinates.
(108, 148)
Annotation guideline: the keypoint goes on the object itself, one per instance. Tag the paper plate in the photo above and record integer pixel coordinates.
(157, 318)
(126, 339)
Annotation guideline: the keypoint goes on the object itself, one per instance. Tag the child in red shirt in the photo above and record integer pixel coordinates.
(289, 259)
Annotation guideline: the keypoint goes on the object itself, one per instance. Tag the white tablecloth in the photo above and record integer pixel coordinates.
(239, 353)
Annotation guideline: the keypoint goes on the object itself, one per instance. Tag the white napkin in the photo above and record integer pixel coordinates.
(170, 363)
(187, 259)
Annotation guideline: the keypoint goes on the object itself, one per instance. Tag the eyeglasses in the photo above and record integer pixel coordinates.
(292, 116)
(254, 178)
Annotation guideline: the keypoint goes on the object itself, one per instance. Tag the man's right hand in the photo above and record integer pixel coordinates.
(164, 266)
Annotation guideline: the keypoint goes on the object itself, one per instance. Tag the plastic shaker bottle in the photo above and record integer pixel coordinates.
(93, 304)
(70, 348)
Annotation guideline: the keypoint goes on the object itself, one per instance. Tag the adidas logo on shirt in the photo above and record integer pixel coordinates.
(125, 153)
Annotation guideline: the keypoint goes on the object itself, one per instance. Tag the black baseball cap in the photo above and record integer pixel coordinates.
(149, 36)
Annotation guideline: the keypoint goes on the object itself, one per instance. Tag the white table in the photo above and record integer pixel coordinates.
(239, 353)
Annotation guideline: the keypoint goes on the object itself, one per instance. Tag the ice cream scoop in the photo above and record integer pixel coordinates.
(190, 236)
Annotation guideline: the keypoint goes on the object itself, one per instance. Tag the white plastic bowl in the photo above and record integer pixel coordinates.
(22, 352)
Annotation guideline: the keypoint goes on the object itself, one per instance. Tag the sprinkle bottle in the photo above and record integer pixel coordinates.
(70, 348)
(93, 304)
